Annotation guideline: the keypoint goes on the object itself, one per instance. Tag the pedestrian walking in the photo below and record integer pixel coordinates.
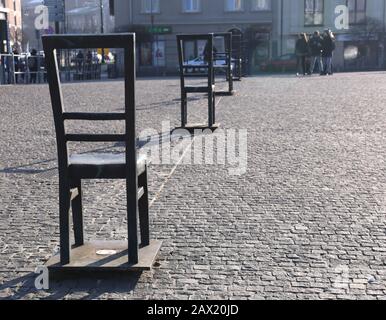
(33, 66)
(316, 47)
(16, 63)
(79, 61)
(301, 51)
(89, 58)
(328, 47)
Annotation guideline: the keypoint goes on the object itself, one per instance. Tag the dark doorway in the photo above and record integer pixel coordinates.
(3, 36)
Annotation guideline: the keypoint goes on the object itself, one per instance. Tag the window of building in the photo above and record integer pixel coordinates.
(145, 54)
(150, 6)
(357, 10)
(234, 5)
(261, 5)
(159, 58)
(152, 54)
(191, 5)
(313, 12)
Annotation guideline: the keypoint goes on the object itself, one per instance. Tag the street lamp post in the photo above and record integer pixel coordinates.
(152, 27)
(66, 53)
(102, 27)
(154, 45)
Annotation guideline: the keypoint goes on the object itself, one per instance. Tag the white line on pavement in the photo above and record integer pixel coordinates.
(175, 167)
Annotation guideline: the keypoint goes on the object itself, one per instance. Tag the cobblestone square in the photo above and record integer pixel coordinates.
(306, 221)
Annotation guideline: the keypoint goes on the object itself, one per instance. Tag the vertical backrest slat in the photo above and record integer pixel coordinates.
(180, 43)
(56, 101)
(211, 61)
(131, 151)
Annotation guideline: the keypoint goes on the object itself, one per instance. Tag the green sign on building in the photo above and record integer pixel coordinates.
(160, 30)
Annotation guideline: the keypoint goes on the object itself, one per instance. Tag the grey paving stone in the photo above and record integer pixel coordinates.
(306, 221)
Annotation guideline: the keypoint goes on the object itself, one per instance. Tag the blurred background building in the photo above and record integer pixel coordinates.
(269, 28)
(361, 47)
(158, 21)
(10, 25)
(80, 16)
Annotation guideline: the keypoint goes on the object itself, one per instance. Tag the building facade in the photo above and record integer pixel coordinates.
(10, 25)
(358, 47)
(157, 22)
(269, 27)
(80, 16)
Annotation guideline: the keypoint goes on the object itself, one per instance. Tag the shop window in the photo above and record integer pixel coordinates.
(152, 54)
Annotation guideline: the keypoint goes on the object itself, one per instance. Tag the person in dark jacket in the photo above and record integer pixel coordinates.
(16, 63)
(302, 51)
(79, 61)
(328, 47)
(316, 52)
(33, 66)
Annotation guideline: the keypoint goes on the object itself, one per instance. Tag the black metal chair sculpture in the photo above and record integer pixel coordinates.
(237, 57)
(205, 71)
(122, 255)
(223, 60)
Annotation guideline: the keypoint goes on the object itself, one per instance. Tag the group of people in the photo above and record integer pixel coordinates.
(33, 62)
(319, 47)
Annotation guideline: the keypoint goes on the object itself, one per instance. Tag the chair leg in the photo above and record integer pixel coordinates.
(64, 223)
(210, 108)
(77, 215)
(184, 109)
(214, 109)
(143, 205)
(230, 81)
(132, 221)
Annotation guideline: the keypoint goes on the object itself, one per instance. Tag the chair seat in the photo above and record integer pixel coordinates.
(198, 89)
(102, 165)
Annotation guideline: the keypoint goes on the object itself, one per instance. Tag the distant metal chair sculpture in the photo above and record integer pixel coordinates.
(237, 57)
(122, 255)
(187, 71)
(223, 60)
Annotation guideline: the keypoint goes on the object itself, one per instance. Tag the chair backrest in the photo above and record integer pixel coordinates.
(227, 54)
(126, 41)
(184, 67)
(227, 40)
(237, 46)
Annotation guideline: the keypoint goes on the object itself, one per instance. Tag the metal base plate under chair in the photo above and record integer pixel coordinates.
(105, 256)
(193, 127)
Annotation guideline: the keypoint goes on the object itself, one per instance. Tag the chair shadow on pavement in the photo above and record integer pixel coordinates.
(71, 286)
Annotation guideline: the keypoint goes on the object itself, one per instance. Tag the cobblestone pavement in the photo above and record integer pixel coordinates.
(306, 221)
